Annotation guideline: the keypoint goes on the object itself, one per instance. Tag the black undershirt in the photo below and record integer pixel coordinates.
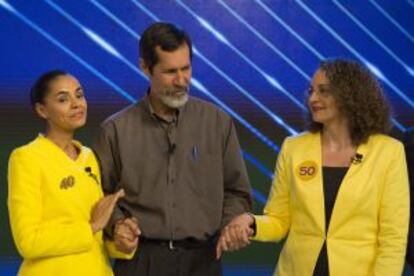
(332, 179)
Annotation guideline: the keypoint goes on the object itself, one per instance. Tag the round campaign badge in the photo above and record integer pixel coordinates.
(307, 170)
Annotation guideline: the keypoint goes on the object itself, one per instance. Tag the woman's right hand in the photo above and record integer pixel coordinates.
(102, 211)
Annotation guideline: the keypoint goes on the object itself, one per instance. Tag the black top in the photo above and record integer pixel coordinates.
(332, 179)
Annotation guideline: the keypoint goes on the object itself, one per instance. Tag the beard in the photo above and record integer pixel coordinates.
(172, 99)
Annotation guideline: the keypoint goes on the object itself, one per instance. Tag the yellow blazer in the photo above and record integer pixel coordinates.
(50, 201)
(368, 229)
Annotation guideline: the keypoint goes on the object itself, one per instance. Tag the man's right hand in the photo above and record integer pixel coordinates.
(126, 235)
(236, 234)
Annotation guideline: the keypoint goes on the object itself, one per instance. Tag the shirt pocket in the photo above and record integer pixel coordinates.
(206, 171)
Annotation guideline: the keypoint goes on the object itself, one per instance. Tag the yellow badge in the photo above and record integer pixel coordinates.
(307, 170)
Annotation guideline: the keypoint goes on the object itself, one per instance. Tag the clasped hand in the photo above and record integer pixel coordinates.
(126, 234)
(236, 234)
(126, 231)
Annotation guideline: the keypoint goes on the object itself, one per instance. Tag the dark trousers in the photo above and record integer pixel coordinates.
(157, 259)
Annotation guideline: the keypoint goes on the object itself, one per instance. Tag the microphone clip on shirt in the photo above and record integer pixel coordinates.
(357, 158)
(88, 170)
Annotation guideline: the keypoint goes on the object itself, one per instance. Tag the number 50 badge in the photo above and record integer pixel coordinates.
(307, 170)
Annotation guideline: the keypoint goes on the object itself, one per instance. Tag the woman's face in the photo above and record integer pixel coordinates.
(321, 101)
(64, 106)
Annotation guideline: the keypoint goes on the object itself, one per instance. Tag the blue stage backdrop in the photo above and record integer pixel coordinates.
(253, 58)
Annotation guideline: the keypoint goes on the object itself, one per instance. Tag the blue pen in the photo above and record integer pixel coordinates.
(195, 153)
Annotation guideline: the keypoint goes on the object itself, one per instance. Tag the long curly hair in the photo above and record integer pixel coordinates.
(358, 96)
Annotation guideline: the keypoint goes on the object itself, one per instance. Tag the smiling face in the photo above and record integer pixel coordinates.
(321, 102)
(170, 77)
(64, 106)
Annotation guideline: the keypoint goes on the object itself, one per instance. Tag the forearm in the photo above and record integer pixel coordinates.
(237, 189)
(53, 239)
(269, 228)
(117, 215)
(235, 205)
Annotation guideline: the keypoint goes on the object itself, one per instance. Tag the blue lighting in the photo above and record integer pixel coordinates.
(352, 50)
(373, 37)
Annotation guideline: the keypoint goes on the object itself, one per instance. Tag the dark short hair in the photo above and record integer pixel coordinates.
(41, 86)
(166, 35)
(359, 97)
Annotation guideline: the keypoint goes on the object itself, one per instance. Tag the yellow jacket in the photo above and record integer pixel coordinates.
(50, 201)
(368, 228)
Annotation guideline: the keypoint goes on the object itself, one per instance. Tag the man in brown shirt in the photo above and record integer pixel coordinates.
(179, 161)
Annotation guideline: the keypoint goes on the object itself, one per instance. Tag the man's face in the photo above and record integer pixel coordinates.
(170, 77)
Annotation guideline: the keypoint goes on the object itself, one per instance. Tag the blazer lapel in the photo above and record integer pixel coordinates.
(309, 187)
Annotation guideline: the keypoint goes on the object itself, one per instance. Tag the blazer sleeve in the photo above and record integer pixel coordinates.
(274, 224)
(33, 237)
(115, 253)
(393, 217)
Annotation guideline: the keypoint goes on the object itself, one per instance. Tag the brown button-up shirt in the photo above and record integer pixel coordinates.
(184, 179)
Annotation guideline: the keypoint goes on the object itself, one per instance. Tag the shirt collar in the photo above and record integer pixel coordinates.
(151, 111)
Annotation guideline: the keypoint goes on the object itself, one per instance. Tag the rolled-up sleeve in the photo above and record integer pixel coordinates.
(237, 190)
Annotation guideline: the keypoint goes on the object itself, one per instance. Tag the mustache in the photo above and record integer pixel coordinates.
(174, 90)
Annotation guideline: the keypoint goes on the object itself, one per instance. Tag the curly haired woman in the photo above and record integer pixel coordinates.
(340, 192)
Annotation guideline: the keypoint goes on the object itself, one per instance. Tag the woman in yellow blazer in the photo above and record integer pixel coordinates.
(56, 205)
(340, 192)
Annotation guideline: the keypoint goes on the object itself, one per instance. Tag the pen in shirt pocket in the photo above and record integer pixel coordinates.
(195, 153)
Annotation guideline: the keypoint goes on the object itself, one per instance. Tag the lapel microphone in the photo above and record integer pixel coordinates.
(357, 158)
(88, 170)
